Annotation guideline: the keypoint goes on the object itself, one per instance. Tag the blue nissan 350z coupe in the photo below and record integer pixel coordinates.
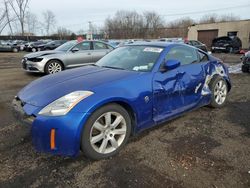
(97, 107)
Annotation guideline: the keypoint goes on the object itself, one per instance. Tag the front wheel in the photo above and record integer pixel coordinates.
(106, 132)
(219, 89)
(53, 67)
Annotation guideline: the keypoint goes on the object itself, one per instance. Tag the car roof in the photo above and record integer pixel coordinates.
(156, 44)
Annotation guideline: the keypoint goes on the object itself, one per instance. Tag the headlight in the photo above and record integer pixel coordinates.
(36, 59)
(64, 104)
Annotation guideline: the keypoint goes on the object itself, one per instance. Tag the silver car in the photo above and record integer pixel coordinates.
(69, 55)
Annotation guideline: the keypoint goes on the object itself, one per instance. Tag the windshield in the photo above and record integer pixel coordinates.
(66, 46)
(51, 42)
(133, 58)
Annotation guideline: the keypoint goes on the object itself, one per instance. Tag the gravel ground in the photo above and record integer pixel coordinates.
(204, 148)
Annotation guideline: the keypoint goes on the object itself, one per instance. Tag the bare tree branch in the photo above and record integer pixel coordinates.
(20, 8)
(49, 21)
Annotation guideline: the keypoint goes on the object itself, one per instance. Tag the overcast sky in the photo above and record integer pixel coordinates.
(75, 14)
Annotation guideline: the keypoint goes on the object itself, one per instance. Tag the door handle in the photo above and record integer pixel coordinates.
(89, 54)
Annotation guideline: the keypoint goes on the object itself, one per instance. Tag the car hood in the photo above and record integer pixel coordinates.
(43, 53)
(45, 90)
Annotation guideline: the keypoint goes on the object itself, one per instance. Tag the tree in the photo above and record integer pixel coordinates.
(32, 22)
(125, 24)
(49, 21)
(228, 18)
(153, 24)
(130, 24)
(5, 17)
(179, 28)
(62, 33)
(20, 8)
(2, 16)
(8, 16)
(209, 18)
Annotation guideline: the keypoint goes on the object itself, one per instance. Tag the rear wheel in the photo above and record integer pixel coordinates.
(219, 89)
(15, 50)
(53, 67)
(33, 49)
(106, 132)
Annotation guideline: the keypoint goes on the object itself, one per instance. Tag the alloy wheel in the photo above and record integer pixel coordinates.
(108, 132)
(54, 67)
(220, 92)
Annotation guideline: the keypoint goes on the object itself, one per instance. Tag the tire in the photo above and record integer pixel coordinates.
(219, 89)
(53, 66)
(229, 50)
(33, 50)
(15, 50)
(106, 134)
(245, 68)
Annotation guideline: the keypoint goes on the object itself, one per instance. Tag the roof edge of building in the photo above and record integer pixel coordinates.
(219, 22)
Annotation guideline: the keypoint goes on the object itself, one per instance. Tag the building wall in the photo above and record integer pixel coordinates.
(242, 28)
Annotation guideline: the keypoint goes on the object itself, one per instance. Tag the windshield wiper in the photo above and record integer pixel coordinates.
(93, 64)
(113, 67)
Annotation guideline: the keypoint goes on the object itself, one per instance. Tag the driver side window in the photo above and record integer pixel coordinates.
(83, 46)
(185, 55)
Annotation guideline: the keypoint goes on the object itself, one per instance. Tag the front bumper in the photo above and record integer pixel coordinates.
(20, 114)
(67, 129)
(30, 66)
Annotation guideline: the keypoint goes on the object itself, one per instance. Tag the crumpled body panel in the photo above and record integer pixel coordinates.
(184, 88)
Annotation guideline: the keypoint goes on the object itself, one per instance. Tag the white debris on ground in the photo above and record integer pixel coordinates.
(234, 69)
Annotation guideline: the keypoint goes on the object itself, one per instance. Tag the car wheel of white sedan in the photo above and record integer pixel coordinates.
(219, 90)
(53, 67)
(15, 50)
(33, 50)
(106, 132)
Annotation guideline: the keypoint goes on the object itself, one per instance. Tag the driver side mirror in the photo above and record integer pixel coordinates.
(171, 64)
(75, 50)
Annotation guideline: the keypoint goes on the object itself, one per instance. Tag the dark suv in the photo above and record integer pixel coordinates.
(52, 45)
(33, 46)
(226, 44)
(246, 62)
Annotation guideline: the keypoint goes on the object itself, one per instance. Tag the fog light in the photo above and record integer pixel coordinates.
(52, 139)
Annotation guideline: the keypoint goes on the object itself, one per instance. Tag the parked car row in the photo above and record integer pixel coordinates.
(43, 45)
(223, 44)
(195, 43)
(220, 44)
(74, 54)
(20, 45)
